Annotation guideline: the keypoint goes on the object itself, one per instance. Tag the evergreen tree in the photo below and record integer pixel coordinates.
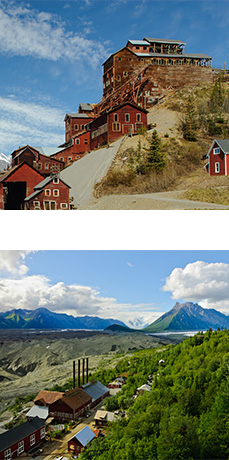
(155, 159)
(189, 122)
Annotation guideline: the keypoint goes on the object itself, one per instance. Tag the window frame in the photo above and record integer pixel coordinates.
(63, 205)
(21, 447)
(115, 117)
(116, 127)
(56, 192)
(32, 439)
(77, 141)
(217, 167)
(42, 432)
(7, 454)
(47, 192)
(138, 117)
(55, 180)
(127, 118)
(216, 151)
(76, 127)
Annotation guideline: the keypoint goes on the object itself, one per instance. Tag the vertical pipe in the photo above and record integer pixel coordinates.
(83, 372)
(86, 370)
(74, 374)
(78, 373)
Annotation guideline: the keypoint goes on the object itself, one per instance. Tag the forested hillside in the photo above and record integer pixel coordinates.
(186, 414)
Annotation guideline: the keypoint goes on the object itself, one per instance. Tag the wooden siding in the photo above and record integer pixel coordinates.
(213, 159)
(47, 199)
(27, 445)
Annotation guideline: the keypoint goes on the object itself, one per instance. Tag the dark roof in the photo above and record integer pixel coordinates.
(164, 40)
(76, 115)
(18, 433)
(76, 398)
(95, 389)
(85, 106)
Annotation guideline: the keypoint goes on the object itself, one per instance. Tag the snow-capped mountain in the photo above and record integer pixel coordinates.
(4, 161)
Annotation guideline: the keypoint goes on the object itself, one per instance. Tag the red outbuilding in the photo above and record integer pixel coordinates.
(80, 440)
(126, 118)
(218, 158)
(52, 193)
(22, 439)
(16, 184)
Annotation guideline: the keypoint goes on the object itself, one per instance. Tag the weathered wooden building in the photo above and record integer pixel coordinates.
(75, 123)
(143, 69)
(218, 158)
(80, 440)
(33, 157)
(52, 193)
(66, 405)
(21, 439)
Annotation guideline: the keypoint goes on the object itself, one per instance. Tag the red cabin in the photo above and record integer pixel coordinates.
(218, 158)
(22, 439)
(52, 193)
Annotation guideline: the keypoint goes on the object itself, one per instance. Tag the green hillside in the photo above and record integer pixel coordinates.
(186, 414)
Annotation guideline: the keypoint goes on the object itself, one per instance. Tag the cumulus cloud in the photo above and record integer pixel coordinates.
(27, 32)
(13, 262)
(207, 283)
(36, 291)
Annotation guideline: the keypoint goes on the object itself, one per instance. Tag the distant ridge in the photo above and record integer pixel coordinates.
(189, 317)
(120, 328)
(42, 318)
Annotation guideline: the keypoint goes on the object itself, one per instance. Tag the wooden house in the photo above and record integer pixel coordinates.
(52, 193)
(80, 440)
(16, 184)
(22, 439)
(103, 417)
(42, 163)
(75, 123)
(66, 405)
(117, 383)
(126, 118)
(218, 158)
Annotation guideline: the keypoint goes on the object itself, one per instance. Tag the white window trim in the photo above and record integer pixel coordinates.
(217, 169)
(138, 115)
(56, 192)
(55, 180)
(32, 439)
(77, 141)
(20, 447)
(47, 192)
(63, 205)
(7, 454)
(42, 432)
(216, 152)
(127, 117)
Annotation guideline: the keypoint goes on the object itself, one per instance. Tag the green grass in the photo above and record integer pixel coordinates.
(209, 195)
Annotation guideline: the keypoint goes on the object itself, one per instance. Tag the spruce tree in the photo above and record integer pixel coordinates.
(155, 159)
(189, 122)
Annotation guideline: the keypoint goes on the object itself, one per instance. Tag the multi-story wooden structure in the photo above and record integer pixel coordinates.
(144, 69)
(33, 157)
(52, 193)
(66, 405)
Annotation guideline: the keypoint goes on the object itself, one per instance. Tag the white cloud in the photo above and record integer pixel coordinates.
(207, 283)
(130, 264)
(31, 292)
(28, 32)
(13, 262)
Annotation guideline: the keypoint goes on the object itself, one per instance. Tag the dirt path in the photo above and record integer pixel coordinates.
(154, 201)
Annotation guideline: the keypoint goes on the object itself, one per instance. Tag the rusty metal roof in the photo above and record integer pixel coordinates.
(76, 398)
(48, 397)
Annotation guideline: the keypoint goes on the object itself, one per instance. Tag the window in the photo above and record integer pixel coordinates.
(82, 127)
(115, 117)
(77, 141)
(216, 167)
(147, 93)
(42, 432)
(39, 166)
(56, 192)
(20, 447)
(216, 151)
(69, 158)
(116, 126)
(125, 73)
(145, 47)
(47, 192)
(118, 78)
(76, 127)
(61, 159)
(49, 205)
(138, 117)
(119, 59)
(63, 205)
(32, 439)
(127, 117)
(130, 59)
(55, 180)
(7, 454)
(36, 204)
(85, 141)
(137, 47)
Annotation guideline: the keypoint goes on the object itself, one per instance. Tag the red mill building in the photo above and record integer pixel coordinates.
(143, 69)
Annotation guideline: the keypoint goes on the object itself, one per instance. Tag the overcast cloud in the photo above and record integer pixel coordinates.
(207, 283)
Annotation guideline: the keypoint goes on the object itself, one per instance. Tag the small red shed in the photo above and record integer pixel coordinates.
(52, 193)
(218, 158)
(22, 439)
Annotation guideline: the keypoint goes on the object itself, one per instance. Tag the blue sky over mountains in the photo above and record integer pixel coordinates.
(133, 286)
(51, 54)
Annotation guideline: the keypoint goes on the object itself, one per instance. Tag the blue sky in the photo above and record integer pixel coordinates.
(51, 54)
(134, 286)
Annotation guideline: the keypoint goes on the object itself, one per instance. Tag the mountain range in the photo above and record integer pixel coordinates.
(4, 161)
(189, 316)
(42, 318)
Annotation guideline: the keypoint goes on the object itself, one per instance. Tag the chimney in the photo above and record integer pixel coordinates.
(83, 372)
(78, 373)
(86, 370)
(74, 374)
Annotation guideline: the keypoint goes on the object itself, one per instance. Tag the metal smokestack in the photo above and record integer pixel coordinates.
(86, 370)
(83, 372)
(78, 373)
(74, 374)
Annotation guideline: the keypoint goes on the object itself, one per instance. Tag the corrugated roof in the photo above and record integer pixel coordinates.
(85, 106)
(105, 415)
(224, 144)
(38, 411)
(76, 398)
(164, 40)
(76, 115)
(18, 433)
(95, 389)
(48, 397)
(139, 42)
(33, 195)
(177, 56)
(85, 436)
